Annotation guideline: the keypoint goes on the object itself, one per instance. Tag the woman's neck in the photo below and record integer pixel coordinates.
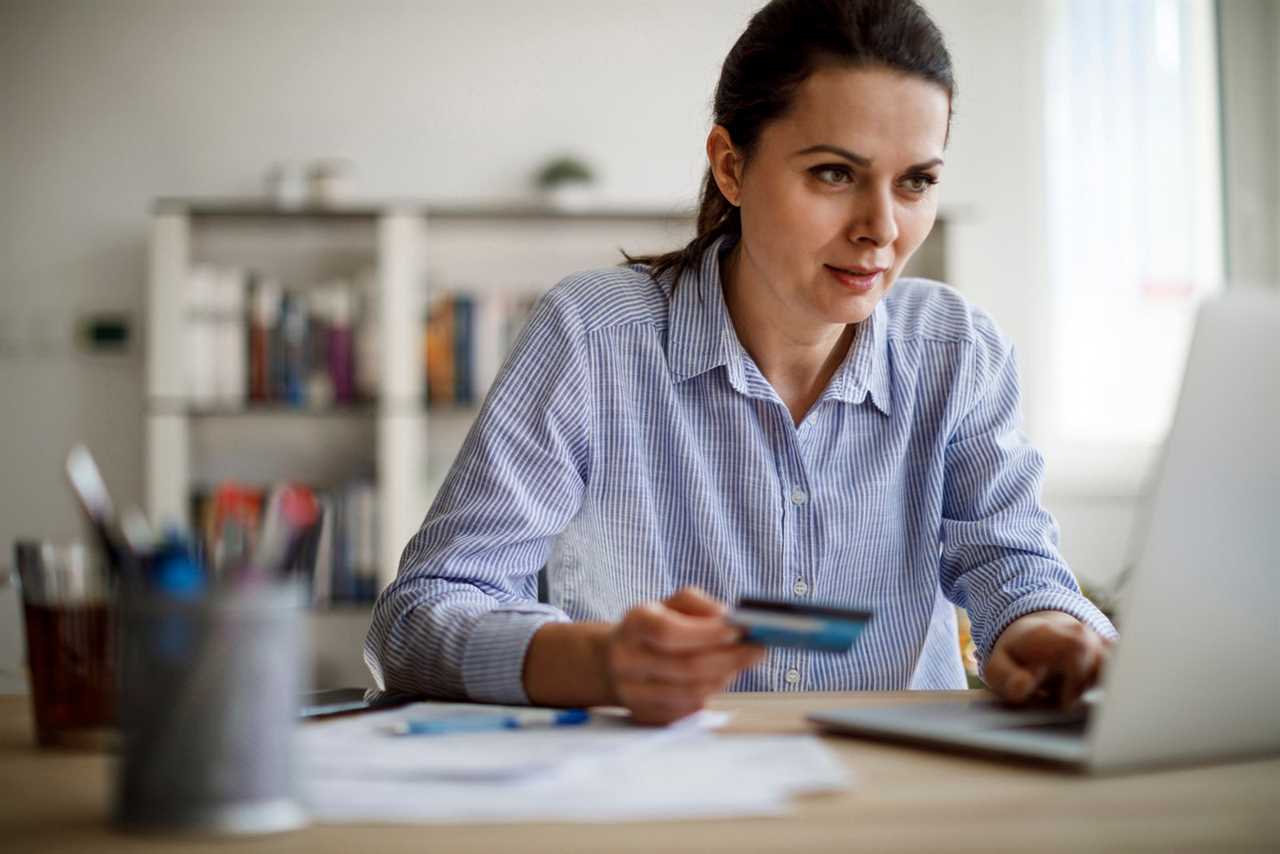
(796, 356)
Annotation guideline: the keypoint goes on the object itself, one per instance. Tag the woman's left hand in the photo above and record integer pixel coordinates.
(1046, 655)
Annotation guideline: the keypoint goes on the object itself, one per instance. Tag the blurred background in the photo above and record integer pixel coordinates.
(243, 241)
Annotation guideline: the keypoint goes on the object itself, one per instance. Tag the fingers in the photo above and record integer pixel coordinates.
(694, 602)
(665, 659)
(685, 669)
(1012, 681)
(662, 628)
(657, 700)
(1083, 666)
(651, 705)
(1054, 659)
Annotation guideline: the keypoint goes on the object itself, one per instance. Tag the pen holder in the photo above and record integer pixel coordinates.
(208, 709)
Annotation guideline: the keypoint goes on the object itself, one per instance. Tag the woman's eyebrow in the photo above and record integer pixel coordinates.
(858, 159)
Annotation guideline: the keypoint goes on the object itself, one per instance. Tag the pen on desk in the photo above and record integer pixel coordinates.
(535, 718)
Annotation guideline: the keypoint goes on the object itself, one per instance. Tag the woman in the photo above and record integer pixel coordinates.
(768, 411)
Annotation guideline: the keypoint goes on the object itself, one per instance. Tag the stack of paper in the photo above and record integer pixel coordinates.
(606, 770)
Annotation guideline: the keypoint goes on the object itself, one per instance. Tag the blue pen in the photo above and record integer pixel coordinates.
(533, 718)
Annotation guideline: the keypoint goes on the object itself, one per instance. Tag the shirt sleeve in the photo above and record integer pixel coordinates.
(1000, 557)
(458, 618)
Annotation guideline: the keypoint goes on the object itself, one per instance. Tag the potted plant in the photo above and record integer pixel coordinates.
(566, 182)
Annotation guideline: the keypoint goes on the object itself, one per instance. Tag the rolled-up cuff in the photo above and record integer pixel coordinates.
(493, 663)
(1067, 601)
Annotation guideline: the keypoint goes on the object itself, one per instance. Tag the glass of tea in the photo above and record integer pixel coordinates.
(71, 642)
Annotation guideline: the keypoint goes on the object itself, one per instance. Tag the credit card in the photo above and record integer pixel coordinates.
(777, 622)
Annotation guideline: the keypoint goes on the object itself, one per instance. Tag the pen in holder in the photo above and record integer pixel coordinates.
(210, 683)
(209, 668)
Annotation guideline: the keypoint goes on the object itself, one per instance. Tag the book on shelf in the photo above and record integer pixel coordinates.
(339, 558)
(215, 310)
(466, 339)
(252, 340)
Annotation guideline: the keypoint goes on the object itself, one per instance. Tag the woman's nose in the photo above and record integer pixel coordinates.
(873, 220)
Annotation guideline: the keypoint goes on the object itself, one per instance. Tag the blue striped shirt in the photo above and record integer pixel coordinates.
(633, 446)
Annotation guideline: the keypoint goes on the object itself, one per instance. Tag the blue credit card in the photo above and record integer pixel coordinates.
(777, 622)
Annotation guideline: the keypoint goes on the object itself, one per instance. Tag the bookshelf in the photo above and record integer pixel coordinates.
(411, 251)
(404, 253)
(415, 251)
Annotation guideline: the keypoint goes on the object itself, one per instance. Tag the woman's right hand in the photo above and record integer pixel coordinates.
(664, 659)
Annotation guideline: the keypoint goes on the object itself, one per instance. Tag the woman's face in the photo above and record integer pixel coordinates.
(838, 194)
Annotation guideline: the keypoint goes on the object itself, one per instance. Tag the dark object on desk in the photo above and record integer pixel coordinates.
(70, 626)
(333, 701)
(348, 701)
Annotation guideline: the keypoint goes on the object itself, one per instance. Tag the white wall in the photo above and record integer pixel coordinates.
(108, 105)
(1250, 33)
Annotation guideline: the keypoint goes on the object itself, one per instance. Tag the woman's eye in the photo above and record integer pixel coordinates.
(832, 174)
(920, 183)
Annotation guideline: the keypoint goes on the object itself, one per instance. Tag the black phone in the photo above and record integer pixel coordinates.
(333, 701)
(345, 701)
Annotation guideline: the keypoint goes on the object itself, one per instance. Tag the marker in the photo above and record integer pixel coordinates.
(533, 719)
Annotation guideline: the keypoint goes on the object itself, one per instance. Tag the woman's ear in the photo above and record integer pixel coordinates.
(726, 164)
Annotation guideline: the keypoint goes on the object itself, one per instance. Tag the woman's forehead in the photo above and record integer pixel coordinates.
(876, 112)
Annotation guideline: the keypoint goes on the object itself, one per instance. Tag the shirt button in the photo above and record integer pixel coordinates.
(801, 587)
(799, 496)
(793, 676)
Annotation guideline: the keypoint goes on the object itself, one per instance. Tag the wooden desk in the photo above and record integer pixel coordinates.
(903, 799)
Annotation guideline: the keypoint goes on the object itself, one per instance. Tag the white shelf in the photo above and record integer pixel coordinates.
(189, 448)
(413, 246)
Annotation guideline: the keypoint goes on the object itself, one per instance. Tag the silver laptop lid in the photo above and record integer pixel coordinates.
(1196, 673)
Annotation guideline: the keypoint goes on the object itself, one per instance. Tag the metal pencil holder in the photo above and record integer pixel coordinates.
(208, 705)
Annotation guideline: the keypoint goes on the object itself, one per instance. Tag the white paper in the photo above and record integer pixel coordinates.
(606, 770)
(362, 746)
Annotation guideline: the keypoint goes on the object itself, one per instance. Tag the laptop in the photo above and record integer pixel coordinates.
(1195, 675)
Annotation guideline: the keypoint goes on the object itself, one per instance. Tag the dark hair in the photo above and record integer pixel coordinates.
(784, 43)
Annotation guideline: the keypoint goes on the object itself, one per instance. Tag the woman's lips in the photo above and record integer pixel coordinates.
(861, 280)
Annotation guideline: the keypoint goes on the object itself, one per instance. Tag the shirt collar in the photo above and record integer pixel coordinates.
(702, 337)
(865, 369)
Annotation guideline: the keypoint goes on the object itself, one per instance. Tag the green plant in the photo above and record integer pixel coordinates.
(565, 169)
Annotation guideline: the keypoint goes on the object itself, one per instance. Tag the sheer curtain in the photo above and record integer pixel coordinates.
(1134, 209)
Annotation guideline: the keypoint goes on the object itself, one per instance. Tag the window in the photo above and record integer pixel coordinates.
(1134, 209)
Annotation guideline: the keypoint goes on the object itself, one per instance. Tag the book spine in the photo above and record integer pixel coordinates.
(202, 339)
(463, 349)
(231, 363)
(275, 341)
(263, 308)
(363, 498)
(342, 581)
(341, 349)
(293, 322)
(439, 353)
(490, 341)
(367, 341)
(322, 567)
